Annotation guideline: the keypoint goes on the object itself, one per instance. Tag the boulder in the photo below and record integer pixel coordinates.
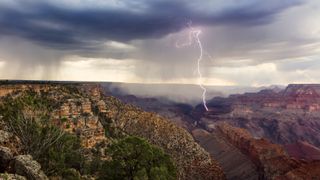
(25, 165)
(11, 177)
(5, 157)
(4, 136)
(10, 141)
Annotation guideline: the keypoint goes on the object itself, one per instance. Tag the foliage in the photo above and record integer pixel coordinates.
(63, 155)
(27, 116)
(109, 130)
(135, 158)
(63, 120)
(94, 166)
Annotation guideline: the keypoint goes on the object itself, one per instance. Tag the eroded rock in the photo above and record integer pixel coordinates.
(192, 161)
(6, 176)
(271, 159)
(5, 157)
(26, 166)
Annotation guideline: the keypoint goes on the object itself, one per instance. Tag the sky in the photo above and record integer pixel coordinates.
(250, 42)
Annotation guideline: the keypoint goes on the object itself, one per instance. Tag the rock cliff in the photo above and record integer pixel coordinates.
(193, 161)
(303, 150)
(20, 166)
(271, 159)
(84, 110)
(283, 117)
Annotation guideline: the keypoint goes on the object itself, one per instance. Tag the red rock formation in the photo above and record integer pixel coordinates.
(86, 106)
(305, 172)
(235, 164)
(303, 150)
(4, 90)
(282, 117)
(271, 159)
(8, 89)
(302, 96)
(94, 90)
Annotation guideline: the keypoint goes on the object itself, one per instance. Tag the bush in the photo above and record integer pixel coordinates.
(27, 116)
(62, 155)
(135, 158)
(94, 166)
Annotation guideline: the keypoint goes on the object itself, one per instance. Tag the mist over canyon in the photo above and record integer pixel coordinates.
(179, 93)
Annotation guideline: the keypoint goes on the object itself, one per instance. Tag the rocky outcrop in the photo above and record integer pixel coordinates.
(303, 150)
(25, 165)
(193, 162)
(8, 140)
(7, 176)
(93, 90)
(307, 171)
(12, 162)
(283, 117)
(4, 90)
(9, 88)
(271, 159)
(234, 164)
(295, 96)
(75, 116)
(74, 108)
(5, 157)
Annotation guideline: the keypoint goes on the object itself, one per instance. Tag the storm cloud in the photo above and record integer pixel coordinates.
(252, 42)
(64, 26)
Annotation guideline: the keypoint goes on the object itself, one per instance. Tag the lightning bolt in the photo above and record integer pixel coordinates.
(194, 37)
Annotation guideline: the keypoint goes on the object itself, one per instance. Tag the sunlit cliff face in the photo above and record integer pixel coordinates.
(252, 42)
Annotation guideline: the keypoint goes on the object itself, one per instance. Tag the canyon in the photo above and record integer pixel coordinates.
(283, 122)
(270, 134)
(87, 112)
(284, 117)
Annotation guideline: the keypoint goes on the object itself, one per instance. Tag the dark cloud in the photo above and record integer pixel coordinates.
(62, 27)
(252, 13)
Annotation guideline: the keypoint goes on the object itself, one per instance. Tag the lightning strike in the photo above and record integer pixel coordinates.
(194, 37)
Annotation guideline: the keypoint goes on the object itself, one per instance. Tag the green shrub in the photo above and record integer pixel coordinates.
(94, 166)
(62, 155)
(63, 120)
(135, 158)
(27, 116)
